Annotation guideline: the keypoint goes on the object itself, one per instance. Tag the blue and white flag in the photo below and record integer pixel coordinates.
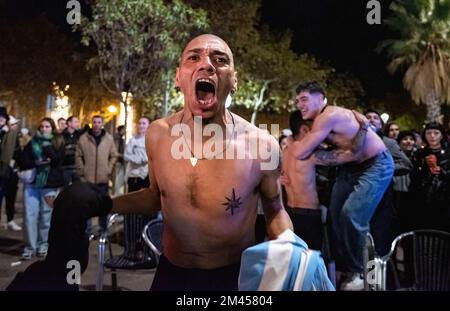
(284, 264)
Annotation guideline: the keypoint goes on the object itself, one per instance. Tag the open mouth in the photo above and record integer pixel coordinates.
(205, 90)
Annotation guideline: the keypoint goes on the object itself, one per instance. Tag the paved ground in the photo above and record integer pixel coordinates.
(11, 245)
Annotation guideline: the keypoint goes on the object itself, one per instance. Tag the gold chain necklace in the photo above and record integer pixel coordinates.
(193, 158)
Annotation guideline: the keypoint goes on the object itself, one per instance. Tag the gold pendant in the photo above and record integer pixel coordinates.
(193, 161)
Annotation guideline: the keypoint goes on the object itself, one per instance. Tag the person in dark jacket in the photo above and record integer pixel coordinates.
(9, 154)
(46, 152)
(71, 135)
(430, 181)
(68, 250)
(382, 223)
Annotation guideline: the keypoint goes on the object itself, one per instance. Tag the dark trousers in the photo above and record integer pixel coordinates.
(135, 247)
(382, 222)
(102, 220)
(8, 189)
(10, 193)
(169, 277)
(70, 175)
(308, 226)
(260, 229)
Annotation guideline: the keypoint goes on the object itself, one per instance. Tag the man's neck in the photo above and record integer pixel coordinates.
(221, 119)
(321, 108)
(70, 130)
(96, 133)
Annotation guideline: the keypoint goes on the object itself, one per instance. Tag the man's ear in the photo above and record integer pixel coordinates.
(235, 82)
(177, 78)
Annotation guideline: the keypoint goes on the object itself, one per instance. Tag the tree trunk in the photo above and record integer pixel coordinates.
(433, 109)
(259, 100)
(255, 112)
(166, 99)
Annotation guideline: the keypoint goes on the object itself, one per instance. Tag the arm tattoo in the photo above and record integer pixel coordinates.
(331, 158)
(339, 156)
(232, 203)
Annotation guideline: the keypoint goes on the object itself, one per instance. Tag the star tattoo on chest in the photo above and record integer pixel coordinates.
(232, 203)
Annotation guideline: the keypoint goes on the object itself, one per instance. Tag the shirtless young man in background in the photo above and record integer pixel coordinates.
(208, 204)
(360, 184)
(300, 184)
(299, 179)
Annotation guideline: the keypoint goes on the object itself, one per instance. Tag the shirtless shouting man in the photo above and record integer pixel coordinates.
(208, 201)
(360, 184)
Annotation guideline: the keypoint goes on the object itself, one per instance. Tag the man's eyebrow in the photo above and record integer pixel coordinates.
(213, 52)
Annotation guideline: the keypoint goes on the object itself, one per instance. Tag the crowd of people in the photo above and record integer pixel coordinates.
(58, 154)
(364, 175)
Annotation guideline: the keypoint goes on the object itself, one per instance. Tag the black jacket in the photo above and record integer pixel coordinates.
(70, 141)
(56, 155)
(66, 239)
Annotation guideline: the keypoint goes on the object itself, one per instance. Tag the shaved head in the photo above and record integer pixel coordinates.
(208, 38)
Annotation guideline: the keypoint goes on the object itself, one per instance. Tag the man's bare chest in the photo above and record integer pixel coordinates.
(211, 180)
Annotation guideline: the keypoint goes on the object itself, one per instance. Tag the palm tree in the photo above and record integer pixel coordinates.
(423, 50)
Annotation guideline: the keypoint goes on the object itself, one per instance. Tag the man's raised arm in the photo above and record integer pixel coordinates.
(322, 126)
(146, 201)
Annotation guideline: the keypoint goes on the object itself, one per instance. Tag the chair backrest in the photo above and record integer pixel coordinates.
(152, 235)
(420, 260)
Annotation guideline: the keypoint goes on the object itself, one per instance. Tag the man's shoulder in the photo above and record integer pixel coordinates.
(246, 127)
(336, 111)
(108, 136)
(84, 136)
(161, 127)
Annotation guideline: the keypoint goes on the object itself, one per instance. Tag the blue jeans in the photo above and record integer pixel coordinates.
(356, 194)
(37, 216)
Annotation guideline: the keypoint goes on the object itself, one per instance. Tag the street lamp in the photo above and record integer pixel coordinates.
(112, 109)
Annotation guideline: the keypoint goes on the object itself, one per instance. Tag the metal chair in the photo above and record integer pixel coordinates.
(105, 238)
(418, 260)
(371, 265)
(152, 235)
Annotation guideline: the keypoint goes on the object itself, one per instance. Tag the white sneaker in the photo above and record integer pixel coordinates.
(13, 226)
(355, 282)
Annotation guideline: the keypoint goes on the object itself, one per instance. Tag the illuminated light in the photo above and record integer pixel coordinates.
(112, 109)
(385, 117)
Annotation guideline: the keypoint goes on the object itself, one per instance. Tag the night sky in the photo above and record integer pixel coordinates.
(335, 31)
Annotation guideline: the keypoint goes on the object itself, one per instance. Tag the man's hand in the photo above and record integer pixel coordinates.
(360, 138)
(284, 179)
(431, 161)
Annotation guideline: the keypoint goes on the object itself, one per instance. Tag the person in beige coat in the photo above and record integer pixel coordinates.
(95, 157)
